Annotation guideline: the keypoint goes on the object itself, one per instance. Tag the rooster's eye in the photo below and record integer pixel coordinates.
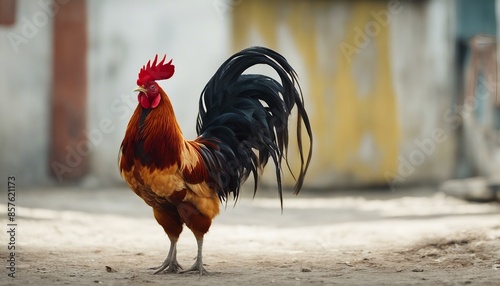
(152, 87)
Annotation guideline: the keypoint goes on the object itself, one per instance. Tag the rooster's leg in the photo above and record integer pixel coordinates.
(170, 264)
(199, 225)
(169, 219)
(198, 265)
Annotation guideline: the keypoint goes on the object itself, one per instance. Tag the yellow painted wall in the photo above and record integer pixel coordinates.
(345, 119)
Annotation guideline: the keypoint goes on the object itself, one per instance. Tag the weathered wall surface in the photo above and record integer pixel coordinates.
(377, 76)
(123, 36)
(422, 55)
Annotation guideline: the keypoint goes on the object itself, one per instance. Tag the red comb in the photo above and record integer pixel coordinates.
(152, 72)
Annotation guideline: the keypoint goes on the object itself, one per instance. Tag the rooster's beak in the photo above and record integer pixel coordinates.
(140, 89)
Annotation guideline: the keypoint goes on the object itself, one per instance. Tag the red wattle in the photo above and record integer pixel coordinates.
(148, 102)
(155, 101)
(143, 100)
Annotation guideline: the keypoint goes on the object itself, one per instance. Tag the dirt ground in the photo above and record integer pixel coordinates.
(109, 237)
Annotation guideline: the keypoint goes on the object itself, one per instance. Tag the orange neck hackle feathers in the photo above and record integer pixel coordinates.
(156, 133)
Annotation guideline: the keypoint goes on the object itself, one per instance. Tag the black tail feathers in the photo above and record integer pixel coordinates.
(246, 117)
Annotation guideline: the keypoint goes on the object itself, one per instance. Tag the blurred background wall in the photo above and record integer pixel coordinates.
(384, 82)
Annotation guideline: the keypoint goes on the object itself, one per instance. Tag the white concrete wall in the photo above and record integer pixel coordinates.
(422, 47)
(124, 35)
(25, 84)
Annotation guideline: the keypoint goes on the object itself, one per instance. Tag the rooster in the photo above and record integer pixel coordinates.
(242, 122)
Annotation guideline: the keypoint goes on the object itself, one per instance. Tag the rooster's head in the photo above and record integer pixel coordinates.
(149, 90)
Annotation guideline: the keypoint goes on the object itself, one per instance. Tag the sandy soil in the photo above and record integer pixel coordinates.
(108, 237)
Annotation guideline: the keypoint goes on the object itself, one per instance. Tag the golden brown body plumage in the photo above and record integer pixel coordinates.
(183, 180)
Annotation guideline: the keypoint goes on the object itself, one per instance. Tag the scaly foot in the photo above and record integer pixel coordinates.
(197, 267)
(168, 266)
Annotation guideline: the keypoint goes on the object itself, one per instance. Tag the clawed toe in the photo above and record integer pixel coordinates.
(172, 267)
(197, 267)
